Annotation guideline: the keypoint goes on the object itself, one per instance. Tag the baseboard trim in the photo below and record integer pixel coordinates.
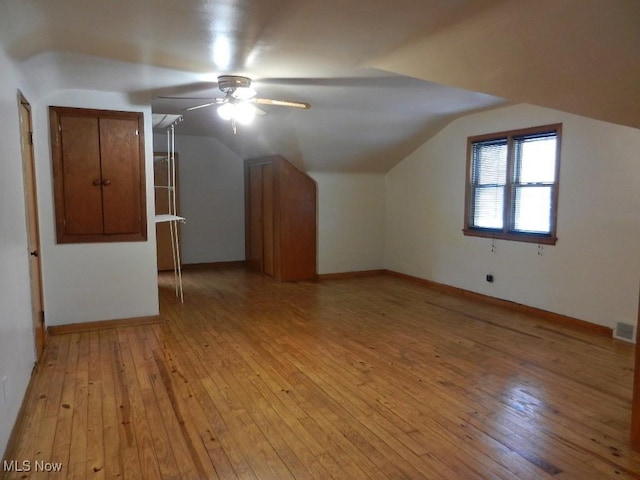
(343, 275)
(102, 325)
(517, 307)
(204, 266)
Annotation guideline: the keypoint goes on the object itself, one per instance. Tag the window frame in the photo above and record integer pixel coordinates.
(506, 232)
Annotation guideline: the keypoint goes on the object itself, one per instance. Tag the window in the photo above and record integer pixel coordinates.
(512, 185)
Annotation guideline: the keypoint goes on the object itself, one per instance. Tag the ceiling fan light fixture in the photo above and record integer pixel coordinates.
(226, 111)
(245, 113)
(230, 83)
(238, 104)
(241, 112)
(244, 93)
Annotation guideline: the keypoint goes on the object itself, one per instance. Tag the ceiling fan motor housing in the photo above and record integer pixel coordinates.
(229, 83)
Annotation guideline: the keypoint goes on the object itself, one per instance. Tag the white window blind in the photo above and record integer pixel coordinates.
(489, 183)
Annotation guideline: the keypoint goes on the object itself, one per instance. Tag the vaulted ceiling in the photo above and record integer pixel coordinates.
(381, 76)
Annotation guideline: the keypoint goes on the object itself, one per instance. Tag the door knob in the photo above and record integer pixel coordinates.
(106, 182)
(34, 253)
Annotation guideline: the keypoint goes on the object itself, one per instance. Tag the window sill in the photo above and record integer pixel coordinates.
(514, 237)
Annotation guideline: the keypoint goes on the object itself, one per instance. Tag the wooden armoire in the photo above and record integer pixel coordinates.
(280, 208)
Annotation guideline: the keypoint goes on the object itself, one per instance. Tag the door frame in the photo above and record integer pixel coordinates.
(33, 233)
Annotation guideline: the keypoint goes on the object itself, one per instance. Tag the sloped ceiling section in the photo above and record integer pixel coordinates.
(579, 56)
(368, 121)
(381, 76)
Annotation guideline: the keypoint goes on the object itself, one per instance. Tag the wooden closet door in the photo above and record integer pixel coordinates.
(256, 236)
(80, 145)
(297, 224)
(120, 155)
(268, 264)
(260, 256)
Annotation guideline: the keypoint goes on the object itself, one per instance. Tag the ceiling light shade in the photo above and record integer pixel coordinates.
(244, 93)
(227, 111)
(244, 113)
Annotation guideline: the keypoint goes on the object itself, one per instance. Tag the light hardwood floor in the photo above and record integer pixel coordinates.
(364, 378)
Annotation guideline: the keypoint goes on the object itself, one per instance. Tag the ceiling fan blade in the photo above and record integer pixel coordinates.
(281, 103)
(218, 101)
(183, 98)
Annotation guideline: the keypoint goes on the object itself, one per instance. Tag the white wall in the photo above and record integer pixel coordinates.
(593, 271)
(16, 329)
(93, 281)
(211, 181)
(351, 219)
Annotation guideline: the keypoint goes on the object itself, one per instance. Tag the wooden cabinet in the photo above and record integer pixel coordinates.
(98, 173)
(280, 206)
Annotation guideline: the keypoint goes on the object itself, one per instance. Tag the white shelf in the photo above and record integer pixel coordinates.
(170, 121)
(164, 120)
(165, 217)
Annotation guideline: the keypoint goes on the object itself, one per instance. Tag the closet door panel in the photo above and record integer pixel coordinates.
(119, 149)
(82, 181)
(297, 225)
(256, 244)
(267, 219)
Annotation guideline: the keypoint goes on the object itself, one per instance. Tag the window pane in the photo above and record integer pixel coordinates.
(536, 159)
(490, 162)
(532, 209)
(488, 203)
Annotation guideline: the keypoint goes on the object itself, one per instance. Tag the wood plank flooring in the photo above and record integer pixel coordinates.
(365, 378)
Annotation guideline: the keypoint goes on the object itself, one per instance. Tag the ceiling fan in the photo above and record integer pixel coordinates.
(238, 104)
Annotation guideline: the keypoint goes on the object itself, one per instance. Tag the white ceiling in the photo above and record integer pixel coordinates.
(374, 71)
